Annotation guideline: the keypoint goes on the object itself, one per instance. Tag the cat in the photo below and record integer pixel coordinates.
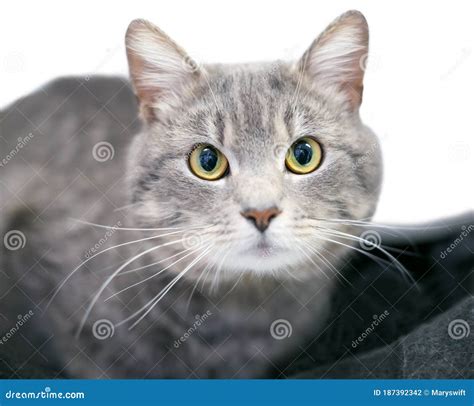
(202, 239)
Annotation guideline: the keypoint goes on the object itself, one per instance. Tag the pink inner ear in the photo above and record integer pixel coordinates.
(337, 57)
(354, 91)
(157, 67)
(144, 95)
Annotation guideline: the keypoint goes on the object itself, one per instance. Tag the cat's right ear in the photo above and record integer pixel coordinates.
(159, 68)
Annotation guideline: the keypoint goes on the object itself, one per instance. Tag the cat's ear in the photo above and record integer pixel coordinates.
(159, 68)
(336, 59)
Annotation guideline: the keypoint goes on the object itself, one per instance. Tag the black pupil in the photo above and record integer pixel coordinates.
(208, 159)
(303, 152)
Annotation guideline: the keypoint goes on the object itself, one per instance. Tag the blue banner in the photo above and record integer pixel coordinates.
(237, 392)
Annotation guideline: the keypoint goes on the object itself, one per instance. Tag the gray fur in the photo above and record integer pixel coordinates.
(252, 113)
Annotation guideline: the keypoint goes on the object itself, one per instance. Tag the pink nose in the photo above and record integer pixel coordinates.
(261, 218)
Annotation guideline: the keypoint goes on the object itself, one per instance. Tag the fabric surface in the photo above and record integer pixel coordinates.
(443, 282)
(440, 349)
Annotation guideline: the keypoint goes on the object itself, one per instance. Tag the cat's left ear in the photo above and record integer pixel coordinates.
(336, 59)
(159, 68)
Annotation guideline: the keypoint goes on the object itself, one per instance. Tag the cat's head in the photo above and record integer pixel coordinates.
(263, 153)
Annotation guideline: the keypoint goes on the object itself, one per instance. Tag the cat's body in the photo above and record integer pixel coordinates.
(239, 307)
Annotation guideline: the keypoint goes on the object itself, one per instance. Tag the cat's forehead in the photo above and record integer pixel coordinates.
(249, 109)
(246, 104)
(252, 84)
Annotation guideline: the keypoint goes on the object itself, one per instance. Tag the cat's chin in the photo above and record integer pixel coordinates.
(262, 259)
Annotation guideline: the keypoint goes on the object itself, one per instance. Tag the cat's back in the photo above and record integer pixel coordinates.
(65, 143)
(63, 153)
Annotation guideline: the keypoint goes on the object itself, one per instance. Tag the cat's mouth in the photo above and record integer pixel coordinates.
(264, 248)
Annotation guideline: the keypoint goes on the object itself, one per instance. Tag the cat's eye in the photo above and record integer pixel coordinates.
(208, 163)
(304, 156)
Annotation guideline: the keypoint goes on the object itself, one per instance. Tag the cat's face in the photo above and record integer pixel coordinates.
(260, 153)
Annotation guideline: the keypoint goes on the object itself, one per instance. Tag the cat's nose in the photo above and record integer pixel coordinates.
(261, 218)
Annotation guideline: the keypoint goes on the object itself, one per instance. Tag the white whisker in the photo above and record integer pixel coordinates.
(154, 275)
(351, 237)
(362, 223)
(326, 261)
(115, 228)
(312, 261)
(219, 268)
(188, 303)
(111, 277)
(100, 253)
(153, 302)
(134, 270)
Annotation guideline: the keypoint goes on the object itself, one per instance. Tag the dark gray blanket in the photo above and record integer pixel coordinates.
(415, 339)
(439, 349)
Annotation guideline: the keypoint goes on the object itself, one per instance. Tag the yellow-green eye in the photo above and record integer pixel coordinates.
(304, 156)
(208, 163)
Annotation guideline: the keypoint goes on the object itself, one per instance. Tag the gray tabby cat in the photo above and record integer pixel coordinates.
(218, 228)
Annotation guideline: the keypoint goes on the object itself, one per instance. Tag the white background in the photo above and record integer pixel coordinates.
(419, 86)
